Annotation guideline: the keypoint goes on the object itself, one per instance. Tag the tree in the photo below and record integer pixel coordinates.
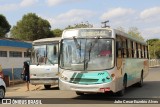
(157, 49)
(133, 31)
(121, 29)
(4, 26)
(31, 27)
(80, 25)
(154, 48)
(57, 32)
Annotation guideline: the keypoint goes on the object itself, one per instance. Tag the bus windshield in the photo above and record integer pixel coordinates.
(87, 54)
(44, 54)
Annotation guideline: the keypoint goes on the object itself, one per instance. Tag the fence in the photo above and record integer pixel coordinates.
(154, 62)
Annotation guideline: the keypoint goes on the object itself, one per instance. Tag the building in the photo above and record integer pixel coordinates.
(12, 55)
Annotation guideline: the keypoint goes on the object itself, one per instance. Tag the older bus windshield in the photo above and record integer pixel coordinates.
(45, 54)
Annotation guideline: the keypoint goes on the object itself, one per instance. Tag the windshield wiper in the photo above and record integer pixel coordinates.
(92, 46)
(76, 43)
(50, 61)
(78, 46)
(89, 52)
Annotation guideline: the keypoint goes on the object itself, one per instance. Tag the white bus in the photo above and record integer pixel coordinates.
(99, 60)
(44, 62)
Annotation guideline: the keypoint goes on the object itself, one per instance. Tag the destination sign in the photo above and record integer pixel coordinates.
(94, 32)
(87, 33)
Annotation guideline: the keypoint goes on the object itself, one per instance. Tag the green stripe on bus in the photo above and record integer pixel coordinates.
(73, 75)
(79, 77)
(72, 78)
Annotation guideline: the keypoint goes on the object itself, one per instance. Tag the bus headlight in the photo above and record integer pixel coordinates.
(64, 77)
(107, 77)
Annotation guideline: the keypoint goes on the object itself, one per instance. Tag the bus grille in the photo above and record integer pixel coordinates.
(83, 80)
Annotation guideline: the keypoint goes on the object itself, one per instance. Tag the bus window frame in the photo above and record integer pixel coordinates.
(114, 51)
(40, 44)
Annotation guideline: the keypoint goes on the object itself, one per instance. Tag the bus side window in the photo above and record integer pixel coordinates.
(146, 48)
(129, 49)
(124, 48)
(137, 52)
(144, 51)
(119, 47)
(55, 50)
(132, 49)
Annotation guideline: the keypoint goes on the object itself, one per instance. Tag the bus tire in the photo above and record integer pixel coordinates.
(79, 93)
(122, 92)
(140, 83)
(47, 86)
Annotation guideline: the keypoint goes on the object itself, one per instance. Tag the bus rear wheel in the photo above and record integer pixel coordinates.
(140, 83)
(47, 86)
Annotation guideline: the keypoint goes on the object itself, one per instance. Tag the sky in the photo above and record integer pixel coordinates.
(143, 14)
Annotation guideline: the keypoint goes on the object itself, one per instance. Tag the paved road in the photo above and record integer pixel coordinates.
(150, 89)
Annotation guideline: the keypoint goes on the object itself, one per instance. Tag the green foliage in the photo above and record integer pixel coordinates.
(57, 32)
(133, 31)
(31, 27)
(80, 25)
(120, 29)
(154, 48)
(152, 41)
(4, 26)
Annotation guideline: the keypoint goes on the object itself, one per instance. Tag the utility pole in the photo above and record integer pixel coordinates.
(105, 24)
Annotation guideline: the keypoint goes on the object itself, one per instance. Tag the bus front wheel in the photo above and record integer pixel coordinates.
(47, 86)
(79, 93)
(122, 91)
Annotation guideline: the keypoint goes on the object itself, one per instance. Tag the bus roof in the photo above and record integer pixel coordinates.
(47, 41)
(75, 31)
(129, 36)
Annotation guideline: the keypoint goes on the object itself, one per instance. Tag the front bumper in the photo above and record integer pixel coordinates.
(45, 81)
(94, 88)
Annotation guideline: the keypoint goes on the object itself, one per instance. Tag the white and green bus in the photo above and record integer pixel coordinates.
(44, 62)
(99, 60)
